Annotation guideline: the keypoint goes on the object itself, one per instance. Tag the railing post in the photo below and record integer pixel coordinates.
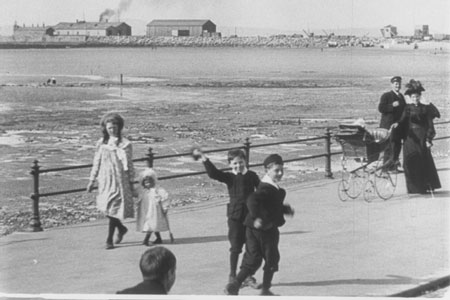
(328, 173)
(35, 221)
(150, 155)
(247, 150)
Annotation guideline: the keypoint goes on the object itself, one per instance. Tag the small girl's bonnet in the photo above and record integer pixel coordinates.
(147, 172)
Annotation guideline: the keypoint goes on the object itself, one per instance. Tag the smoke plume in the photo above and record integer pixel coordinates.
(122, 7)
(108, 13)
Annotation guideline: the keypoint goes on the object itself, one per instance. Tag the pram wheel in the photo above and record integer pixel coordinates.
(385, 181)
(342, 190)
(355, 182)
(369, 191)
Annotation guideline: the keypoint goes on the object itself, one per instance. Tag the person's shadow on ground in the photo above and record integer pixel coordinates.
(197, 240)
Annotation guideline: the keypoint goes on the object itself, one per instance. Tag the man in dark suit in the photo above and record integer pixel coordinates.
(391, 107)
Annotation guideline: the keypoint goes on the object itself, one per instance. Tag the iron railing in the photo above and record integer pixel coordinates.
(150, 158)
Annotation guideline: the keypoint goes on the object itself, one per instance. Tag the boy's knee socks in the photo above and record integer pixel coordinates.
(234, 257)
(267, 279)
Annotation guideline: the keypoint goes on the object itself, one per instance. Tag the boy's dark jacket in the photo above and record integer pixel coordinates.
(266, 203)
(239, 188)
(148, 287)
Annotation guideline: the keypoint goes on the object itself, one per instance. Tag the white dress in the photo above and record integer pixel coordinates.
(113, 168)
(150, 210)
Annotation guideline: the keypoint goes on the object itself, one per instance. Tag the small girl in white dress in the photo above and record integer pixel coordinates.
(152, 206)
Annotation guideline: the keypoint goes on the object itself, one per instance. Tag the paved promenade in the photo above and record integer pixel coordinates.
(329, 248)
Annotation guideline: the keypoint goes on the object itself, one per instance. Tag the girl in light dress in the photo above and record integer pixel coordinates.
(152, 206)
(113, 170)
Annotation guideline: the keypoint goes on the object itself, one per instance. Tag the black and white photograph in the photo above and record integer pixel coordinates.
(214, 148)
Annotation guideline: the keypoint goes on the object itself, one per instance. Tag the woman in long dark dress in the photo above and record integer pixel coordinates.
(420, 171)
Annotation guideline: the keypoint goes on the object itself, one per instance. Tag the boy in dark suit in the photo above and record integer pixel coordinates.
(391, 107)
(266, 214)
(241, 182)
(158, 266)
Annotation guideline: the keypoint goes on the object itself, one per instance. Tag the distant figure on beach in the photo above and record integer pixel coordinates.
(240, 182)
(391, 107)
(51, 81)
(266, 214)
(158, 268)
(417, 119)
(113, 167)
(152, 207)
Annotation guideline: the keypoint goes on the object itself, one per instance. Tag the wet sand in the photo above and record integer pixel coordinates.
(58, 126)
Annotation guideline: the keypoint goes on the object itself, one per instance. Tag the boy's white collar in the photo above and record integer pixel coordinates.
(269, 180)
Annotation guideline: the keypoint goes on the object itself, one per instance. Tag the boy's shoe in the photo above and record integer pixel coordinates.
(109, 246)
(120, 235)
(146, 243)
(157, 241)
(251, 282)
(267, 292)
(232, 288)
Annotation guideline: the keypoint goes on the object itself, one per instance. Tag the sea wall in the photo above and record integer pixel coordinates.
(277, 41)
(255, 41)
(143, 41)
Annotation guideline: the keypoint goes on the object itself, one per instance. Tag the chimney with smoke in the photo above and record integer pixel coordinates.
(108, 13)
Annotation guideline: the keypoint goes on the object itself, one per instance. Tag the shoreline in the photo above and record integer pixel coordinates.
(171, 109)
(277, 41)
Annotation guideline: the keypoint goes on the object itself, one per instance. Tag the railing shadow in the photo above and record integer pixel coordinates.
(36, 170)
(395, 280)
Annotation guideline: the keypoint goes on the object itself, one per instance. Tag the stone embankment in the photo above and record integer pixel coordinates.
(281, 41)
(276, 41)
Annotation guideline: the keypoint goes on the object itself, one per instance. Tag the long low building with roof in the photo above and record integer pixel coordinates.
(31, 32)
(84, 28)
(181, 28)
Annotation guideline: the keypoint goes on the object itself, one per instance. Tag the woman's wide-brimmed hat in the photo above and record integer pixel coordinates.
(414, 87)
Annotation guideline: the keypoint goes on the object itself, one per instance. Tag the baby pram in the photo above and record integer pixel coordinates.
(364, 165)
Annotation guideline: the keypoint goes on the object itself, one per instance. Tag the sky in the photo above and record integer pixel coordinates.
(282, 15)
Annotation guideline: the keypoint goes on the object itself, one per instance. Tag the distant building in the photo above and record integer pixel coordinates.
(84, 28)
(31, 32)
(441, 36)
(389, 31)
(181, 28)
(422, 32)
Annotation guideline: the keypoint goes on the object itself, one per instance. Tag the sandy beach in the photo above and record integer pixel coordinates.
(169, 110)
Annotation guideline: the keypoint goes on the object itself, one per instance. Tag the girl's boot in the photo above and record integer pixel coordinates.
(147, 239)
(158, 238)
(111, 229)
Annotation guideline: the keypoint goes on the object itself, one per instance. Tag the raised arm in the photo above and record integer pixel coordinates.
(215, 173)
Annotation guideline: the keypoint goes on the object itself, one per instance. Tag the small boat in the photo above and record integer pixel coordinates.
(332, 44)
